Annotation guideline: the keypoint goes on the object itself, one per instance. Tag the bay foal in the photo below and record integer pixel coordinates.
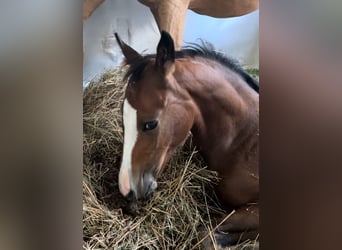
(199, 90)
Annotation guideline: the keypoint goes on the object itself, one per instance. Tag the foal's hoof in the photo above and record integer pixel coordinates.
(216, 240)
(223, 240)
(207, 240)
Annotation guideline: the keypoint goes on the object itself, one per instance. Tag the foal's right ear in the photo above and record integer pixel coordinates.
(130, 54)
(165, 50)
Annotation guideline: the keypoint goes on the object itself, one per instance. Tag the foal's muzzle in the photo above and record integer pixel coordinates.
(144, 189)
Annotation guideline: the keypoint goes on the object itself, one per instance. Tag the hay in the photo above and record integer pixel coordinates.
(172, 219)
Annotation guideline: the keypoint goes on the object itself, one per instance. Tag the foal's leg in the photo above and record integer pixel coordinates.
(240, 226)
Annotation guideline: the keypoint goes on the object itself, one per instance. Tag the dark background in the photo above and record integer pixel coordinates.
(41, 124)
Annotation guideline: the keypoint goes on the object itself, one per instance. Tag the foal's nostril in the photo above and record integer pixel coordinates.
(149, 184)
(130, 196)
(150, 188)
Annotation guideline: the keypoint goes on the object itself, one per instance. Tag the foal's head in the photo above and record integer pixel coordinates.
(156, 118)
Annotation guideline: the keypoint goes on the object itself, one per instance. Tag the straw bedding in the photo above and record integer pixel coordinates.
(174, 218)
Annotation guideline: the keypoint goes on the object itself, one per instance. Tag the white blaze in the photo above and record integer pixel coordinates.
(130, 137)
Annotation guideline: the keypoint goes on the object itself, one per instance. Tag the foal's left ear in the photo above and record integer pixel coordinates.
(165, 50)
(130, 54)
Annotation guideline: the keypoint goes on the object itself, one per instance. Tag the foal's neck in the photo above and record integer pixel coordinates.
(226, 108)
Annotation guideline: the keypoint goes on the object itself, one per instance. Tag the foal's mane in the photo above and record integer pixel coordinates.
(204, 50)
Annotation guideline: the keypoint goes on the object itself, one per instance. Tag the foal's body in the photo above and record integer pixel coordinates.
(172, 93)
(229, 141)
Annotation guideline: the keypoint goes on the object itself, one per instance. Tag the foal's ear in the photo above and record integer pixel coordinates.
(130, 54)
(165, 50)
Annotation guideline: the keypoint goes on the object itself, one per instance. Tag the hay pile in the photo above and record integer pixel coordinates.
(172, 218)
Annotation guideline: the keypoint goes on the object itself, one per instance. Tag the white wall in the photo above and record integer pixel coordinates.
(237, 37)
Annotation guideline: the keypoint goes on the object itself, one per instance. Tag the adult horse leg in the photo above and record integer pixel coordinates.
(170, 17)
(89, 7)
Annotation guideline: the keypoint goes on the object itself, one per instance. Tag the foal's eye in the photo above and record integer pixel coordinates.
(150, 125)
